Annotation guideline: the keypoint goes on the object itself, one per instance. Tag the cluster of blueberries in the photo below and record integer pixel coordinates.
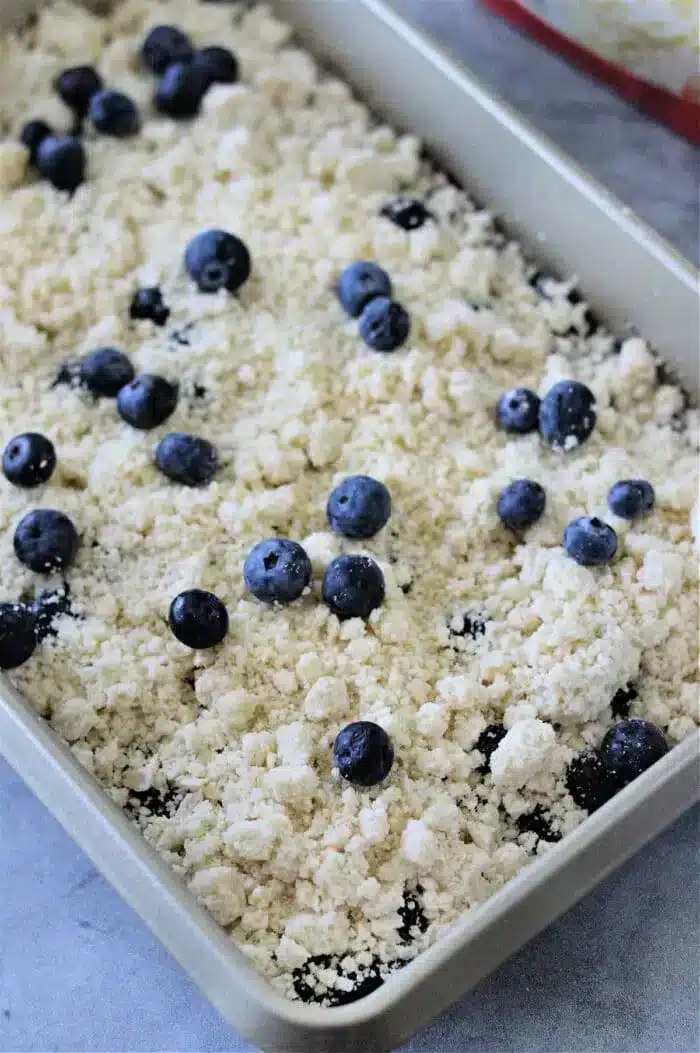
(364, 290)
(185, 75)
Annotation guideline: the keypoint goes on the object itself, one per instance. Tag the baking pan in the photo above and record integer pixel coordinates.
(632, 279)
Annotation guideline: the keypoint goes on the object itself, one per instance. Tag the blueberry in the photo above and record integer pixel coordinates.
(198, 619)
(630, 747)
(359, 284)
(114, 113)
(148, 303)
(590, 541)
(187, 459)
(49, 606)
(61, 160)
(363, 753)
(17, 636)
(521, 504)
(353, 586)
(164, 46)
(181, 91)
(359, 507)
(518, 411)
(487, 743)
(277, 570)
(217, 260)
(147, 401)
(46, 540)
(631, 498)
(406, 212)
(106, 371)
(29, 460)
(620, 704)
(589, 782)
(567, 414)
(32, 136)
(76, 86)
(384, 324)
(218, 65)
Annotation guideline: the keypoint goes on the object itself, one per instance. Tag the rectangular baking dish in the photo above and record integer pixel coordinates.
(632, 278)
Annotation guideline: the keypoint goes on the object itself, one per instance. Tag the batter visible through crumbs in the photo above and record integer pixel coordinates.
(223, 757)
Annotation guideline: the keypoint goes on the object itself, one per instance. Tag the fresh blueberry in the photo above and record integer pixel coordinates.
(589, 782)
(384, 324)
(29, 460)
(181, 90)
(353, 586)
(359, 284)
(32, 136)
(521, 504)
(106, 371)
(147, 401)
(114, 113)
(519, 410)
(630, 747)
(631, 498)
(359, 507)
(590, 541)
(217, 260)
(164, 46)
(567, 415)
(218, 65)
(17, 636)
(187, 459)
(49, 606)
(76, 86)
(406, 212)
(46, 540)
(363, 753)
(148, 304)
(61, 160)
(487, 743)
(198, 619)
(277, 570)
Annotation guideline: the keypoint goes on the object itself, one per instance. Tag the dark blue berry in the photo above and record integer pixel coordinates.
(17, 635)
(61, 160)
(631, 498)
(148, 304)
(277, 570)
(630, 747)
(359, 507)
(353, 586)
(147, 401)
(32, 136)
(487, 743)
(187, 459)
(181, 90)
(589, 782)
(519, 410)
(76, 86)
(198, 619)
(218, 65)
(106, 371)
(46, 540)
(521, 504)
(29, 460)
(567, 414)
(363, 753)
(48, 607)
(406, 212)
(384, 324)
(114, 113)
(164, 46)
(359, 284)
(590, 541)
(217, 260)
(620, 704)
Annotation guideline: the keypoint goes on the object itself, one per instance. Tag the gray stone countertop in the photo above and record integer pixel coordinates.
(617, 974)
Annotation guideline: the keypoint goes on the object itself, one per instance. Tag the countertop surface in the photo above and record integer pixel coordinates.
(617, 974)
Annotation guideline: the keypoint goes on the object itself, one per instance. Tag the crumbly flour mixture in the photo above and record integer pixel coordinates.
(224, 757)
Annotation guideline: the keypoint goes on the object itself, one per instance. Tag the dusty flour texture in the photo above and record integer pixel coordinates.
(224, 757)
